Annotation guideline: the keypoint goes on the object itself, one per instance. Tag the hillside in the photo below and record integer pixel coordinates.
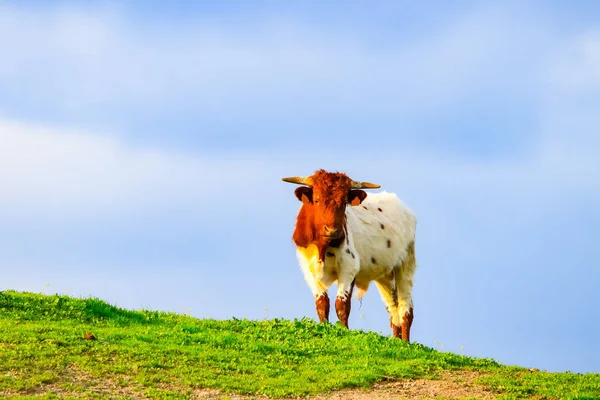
(146, 354)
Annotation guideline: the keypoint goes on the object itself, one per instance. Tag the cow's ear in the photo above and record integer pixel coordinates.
(304, 194)
(356, 196)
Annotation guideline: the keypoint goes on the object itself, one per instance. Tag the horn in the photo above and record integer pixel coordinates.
(298, 180)
(364, 185)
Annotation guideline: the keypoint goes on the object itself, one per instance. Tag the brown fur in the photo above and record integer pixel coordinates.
(342, 307)
(396, 330)
(323, 207)
(407, 321)
(322, 304)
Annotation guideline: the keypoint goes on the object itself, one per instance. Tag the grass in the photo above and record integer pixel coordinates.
(165, 355)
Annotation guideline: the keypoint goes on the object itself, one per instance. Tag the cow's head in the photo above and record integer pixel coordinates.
(325, 196)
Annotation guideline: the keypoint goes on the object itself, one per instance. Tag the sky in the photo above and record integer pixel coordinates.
(142, 146)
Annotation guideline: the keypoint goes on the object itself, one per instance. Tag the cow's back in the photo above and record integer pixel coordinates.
(382, 228)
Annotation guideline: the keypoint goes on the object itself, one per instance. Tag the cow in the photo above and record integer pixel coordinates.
(344, 235)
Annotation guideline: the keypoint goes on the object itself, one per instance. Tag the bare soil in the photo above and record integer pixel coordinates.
(454, 385)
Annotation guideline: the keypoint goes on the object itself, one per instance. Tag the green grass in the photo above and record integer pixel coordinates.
(165, 355)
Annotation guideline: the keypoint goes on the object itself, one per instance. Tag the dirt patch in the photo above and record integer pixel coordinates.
(77, 383)
(451, 385)
(455, 385)
(213, 394)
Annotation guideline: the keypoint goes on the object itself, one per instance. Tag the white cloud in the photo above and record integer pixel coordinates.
(56, 170)
(89, 59)
(569, 103)
(577, 63)
(99, 57)
(53, 170)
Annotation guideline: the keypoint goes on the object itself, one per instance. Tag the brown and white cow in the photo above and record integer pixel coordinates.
(344, 235)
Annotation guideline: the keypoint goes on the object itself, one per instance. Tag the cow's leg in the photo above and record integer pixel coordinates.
(387, 289)
(322, 305)
(404, 275)
(319, 291)
(343, 299)
(318, 288)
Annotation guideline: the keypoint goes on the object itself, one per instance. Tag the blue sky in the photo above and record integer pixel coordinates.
(142, 148)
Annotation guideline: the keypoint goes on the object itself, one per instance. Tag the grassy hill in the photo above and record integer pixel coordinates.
(147, 354)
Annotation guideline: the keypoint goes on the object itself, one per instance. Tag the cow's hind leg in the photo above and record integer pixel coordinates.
(387, 289)
(404, 275)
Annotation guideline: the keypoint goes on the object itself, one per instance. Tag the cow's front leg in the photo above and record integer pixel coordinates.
(322, 305)
(343, 301)
(319, 290)
(318, 286)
